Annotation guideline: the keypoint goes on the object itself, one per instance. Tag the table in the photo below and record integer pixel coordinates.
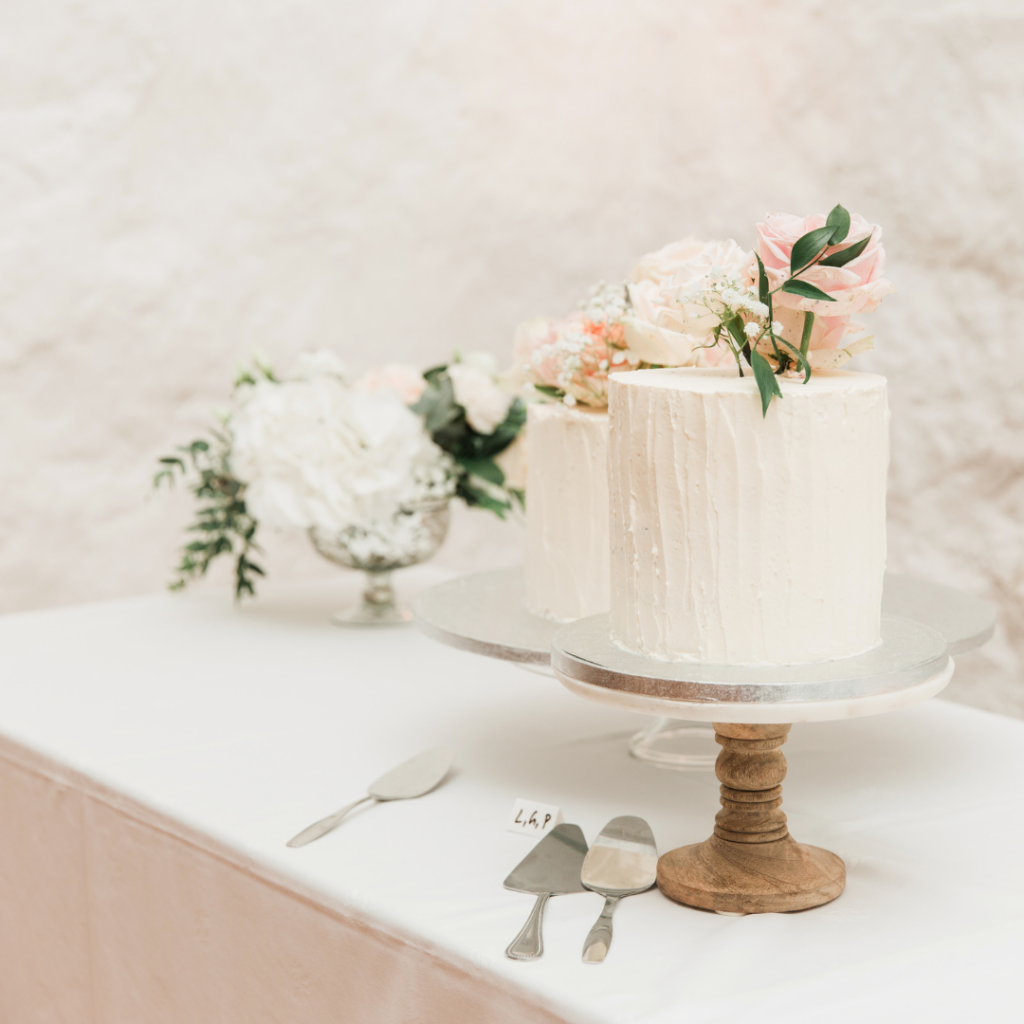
(156, 753)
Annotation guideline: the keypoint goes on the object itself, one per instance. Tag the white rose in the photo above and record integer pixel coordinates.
(477, 392)
(664, 328)
(314, 452)
(659, 266)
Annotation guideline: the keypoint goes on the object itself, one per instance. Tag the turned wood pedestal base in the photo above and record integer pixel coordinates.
(751, 865)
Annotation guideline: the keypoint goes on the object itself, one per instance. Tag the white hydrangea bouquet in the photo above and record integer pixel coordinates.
(364, 465)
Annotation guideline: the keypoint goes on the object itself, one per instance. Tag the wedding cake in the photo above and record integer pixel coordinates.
(563, 365)
(567, 567)
(744, 538)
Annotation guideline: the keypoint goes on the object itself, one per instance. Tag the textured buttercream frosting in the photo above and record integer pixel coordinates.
(567, 559)
(744, 540)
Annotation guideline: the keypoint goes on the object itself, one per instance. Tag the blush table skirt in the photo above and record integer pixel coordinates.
(156, 753)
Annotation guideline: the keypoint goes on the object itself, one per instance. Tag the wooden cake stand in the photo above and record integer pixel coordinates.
(751, 864)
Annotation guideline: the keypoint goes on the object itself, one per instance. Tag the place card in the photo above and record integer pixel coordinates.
(530, 818)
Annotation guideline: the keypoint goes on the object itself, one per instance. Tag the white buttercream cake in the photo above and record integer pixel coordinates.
(567, 562)
(744, 540)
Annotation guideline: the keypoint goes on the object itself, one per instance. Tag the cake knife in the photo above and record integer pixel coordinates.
(551, 868)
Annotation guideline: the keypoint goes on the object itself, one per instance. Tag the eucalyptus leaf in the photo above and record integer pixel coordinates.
(806, 291)
(486, 469)
(805, 338)
(839, 220)
(735, 328)
(550, 390)
(767, 382)
(763, 291)
(844, 256)
(798, 357)
(806, 247)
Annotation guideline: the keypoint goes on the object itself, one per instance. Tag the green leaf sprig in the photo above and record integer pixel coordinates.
(222, 522)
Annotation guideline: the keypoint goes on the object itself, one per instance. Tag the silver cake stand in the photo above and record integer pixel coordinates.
(485, 613)
(751, 864)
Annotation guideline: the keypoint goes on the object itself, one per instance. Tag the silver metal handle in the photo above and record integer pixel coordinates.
(595, 949)
(324, 825)
(529, 943)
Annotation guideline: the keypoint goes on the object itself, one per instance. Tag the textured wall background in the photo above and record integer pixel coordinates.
(184, 182)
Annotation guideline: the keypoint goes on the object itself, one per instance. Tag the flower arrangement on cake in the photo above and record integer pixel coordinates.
(785, 309)
(365, 465)
(569, 359)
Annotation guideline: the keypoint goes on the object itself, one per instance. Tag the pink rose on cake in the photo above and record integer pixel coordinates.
(677, 304)
(857, 287)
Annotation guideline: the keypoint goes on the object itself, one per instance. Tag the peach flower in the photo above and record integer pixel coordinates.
(574, 354)
(405, 381)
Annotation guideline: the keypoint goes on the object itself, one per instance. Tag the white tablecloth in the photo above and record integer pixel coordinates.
(157, 752)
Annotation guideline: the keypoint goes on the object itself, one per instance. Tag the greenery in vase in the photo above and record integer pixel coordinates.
(223, 523)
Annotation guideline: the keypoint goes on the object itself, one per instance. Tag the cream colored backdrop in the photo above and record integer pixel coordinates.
(185, 182)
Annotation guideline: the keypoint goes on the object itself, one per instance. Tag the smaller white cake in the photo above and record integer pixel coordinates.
(747, 540)
(567, 548)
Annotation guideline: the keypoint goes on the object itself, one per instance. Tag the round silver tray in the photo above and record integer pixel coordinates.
(484, 613)
(910, 653)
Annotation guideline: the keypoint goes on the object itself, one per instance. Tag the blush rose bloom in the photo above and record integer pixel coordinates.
(664, 329)
(858, 287)
(405, 381)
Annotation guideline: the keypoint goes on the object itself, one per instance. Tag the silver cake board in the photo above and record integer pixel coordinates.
(911, 663)
(485, 613)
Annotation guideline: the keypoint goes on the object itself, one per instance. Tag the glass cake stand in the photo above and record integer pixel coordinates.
(485, 613)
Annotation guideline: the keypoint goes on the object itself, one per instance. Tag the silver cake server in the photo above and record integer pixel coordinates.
(551, 868)
(414, 777)
(622, 862)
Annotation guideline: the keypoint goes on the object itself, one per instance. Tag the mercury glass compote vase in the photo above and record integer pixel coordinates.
(412, 534)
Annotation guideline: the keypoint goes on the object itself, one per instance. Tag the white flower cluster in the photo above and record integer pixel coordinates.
(724, 294)
(606, 303)
(315, 452)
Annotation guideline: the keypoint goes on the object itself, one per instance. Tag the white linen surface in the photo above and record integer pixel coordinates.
(244, 725)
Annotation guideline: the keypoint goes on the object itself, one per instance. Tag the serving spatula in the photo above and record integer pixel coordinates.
(412, 778)
(551, 868)
(623, 861)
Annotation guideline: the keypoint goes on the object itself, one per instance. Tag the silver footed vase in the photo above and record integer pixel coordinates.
(409, 536)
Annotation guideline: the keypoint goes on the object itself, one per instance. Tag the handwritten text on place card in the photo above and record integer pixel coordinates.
(533, 819)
